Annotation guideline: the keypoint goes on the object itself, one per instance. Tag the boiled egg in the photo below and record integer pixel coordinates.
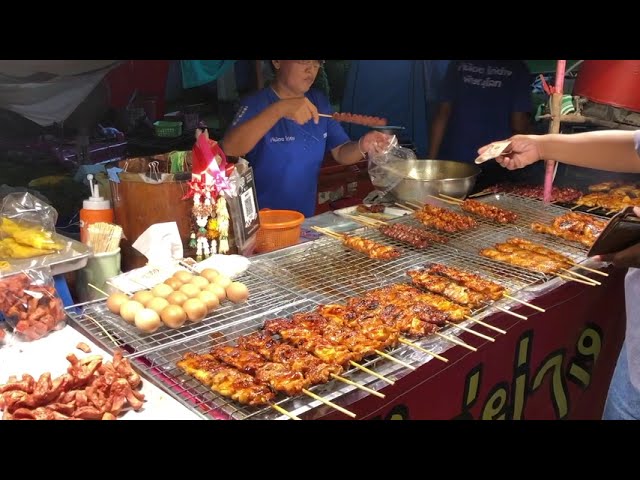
(115, 301)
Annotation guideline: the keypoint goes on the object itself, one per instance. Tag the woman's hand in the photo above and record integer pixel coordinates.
(629, 257)
(300, 110)
(524, 150)
(375, 142)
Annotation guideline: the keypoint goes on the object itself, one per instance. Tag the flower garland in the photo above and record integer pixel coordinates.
(208, 182)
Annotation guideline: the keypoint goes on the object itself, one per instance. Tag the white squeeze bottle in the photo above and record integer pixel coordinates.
(94, 209)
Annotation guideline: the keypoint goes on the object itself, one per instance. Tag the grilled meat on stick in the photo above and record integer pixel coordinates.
(445, 220)
(355, 340)
(370, 248)
(409, 320)
(277, 375)
(447, 287)
(225, 380)
(311, 341)
(415, 304)
(296, 359)
(470, 280)
(572, 226)
(541, 249)
(417, 237)
(509, 253)
(371, 327)
(489, 211)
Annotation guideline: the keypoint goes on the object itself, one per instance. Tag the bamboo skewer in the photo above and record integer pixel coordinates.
(98, 289)
(401, 205)
(456, 341)
(394, 359)
(480, 194)
(327, 232)
(574, 279)
(604, 274)
(415, 205)
(325, 115)
(477, 334)
(586, 279)
(574, 207)
(530, 305)
(102, 328)
(327, 402)
(371, 372)
(514, 314)
(357, 385)
(480, 322)
(453, 199)
(281, 410)
(445, 201)
(424, 350)
(593, 208)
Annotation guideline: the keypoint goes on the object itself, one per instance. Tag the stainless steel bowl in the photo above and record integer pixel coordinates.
(422, 178)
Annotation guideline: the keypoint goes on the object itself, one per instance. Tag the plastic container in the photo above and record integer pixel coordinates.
(167, 129)
(611, 82)
(94, 209)
(278, 229)
(99, 269)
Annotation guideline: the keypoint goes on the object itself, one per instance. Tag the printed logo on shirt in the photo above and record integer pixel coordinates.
(286, 138)
(239, 115)
(324, 135)
(479, 76)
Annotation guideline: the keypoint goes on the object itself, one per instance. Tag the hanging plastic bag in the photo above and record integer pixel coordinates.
(385, 169)
(27, 227)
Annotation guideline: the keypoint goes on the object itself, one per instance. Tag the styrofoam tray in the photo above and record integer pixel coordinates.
(389, 212)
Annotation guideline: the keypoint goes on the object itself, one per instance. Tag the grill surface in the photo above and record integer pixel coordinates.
(300, 278)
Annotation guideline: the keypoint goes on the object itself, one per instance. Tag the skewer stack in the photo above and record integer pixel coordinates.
(104, 237)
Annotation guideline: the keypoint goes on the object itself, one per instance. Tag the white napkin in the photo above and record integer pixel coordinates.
(160, 243)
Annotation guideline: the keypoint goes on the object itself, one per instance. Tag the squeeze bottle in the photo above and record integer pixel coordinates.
(94, 209)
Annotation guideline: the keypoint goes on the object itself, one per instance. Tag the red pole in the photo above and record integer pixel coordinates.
(556, 106)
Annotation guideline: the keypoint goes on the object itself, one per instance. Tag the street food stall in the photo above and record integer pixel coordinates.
(437, 307)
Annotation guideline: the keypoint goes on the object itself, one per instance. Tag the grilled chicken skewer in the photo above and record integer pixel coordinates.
(472, 281)
(225, 380)
(445, 220)
(489, 211)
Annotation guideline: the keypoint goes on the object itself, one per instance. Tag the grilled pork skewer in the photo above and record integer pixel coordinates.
(225, 380)
(448, 288)
(472, 281)
(445, 220)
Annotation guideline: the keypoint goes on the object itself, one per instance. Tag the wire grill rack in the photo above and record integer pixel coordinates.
(300, 278)
(112, 332)
(489, 233)
(160, 367)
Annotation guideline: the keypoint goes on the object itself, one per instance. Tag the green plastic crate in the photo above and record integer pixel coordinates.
(164, 128)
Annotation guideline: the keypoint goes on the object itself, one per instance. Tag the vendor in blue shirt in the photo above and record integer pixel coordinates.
(480, 100)
(279, 131)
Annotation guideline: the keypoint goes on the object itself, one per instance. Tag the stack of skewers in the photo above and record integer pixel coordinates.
(104, 237)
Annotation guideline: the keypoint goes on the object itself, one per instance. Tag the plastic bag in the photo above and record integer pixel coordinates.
(30, 304)
(385, 169)
(242, 203)
(27, 226)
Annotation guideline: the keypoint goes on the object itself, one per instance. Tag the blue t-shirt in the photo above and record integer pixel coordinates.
(286, 161)
(483, 94)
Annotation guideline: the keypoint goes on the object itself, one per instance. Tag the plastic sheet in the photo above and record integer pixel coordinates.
(30, 304)
(28, 239)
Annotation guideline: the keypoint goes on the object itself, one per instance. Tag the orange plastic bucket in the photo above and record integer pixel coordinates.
(278, 229)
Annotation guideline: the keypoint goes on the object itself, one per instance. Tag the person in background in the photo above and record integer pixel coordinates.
(480, 100)
(282, 134)
(615, 151)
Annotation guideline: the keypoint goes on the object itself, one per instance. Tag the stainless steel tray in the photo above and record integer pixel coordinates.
(74, 256)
